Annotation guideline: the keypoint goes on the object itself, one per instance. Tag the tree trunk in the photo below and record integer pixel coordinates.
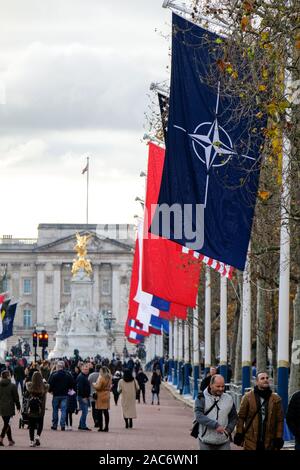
(261, 347)
(235, 328)
(294, 383)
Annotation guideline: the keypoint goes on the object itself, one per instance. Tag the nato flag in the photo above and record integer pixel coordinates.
(212, 156)
(8, 322)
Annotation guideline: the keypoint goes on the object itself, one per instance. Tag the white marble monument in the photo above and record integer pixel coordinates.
(80, 326)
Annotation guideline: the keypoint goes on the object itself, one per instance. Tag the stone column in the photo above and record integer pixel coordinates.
(96, 287)
(116, 293)
(40, 294)
(56, 289)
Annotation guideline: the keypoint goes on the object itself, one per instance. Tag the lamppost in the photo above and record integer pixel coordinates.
(109, 320)
(125, 350)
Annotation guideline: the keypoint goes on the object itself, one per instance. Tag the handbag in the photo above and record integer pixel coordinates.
(195, 429)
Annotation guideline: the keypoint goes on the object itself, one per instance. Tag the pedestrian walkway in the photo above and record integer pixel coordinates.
(163, 427)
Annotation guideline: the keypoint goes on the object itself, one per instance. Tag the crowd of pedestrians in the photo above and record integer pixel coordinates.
(76, 387)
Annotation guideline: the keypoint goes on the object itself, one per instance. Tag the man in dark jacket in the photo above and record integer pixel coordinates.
(206, 381)
(8, 399)
(260, 418)
(83, 395)
(293, 418)
(59, 384)
(142, 379)
(19, 374)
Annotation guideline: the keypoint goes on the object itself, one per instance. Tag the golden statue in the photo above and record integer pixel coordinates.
(81, 262)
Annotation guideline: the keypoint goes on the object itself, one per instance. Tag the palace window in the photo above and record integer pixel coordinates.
(67, 286)
(27, 318)
(27, 286)
(105, 286)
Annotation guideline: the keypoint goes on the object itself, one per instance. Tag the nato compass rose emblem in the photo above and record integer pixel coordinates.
(212, 144)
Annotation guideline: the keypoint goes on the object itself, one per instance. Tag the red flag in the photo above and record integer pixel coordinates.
(168, 273)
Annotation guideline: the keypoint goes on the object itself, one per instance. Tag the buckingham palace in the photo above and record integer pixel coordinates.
(38, 276)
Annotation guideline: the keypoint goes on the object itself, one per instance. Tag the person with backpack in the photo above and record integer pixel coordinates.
(9, 398)
(216, 414)
(37, 391)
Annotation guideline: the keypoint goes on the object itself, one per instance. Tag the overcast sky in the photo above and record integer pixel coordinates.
(74, 79)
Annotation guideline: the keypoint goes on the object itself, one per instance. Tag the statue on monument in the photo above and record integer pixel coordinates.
(80, 324)
(81, 262)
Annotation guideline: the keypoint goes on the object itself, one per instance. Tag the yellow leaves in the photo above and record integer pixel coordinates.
(272, 109)
(264, 36)
(227, 67)
(265, 74)
(275, 109)
(259, 115)
(264, 195)
(244, 22)
(262, 87)
(283, 105)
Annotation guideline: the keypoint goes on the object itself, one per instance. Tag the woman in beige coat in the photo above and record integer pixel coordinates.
(128, 387)
(102, 405)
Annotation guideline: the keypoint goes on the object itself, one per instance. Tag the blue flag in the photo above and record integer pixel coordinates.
(212, 157)
(8, 322)
(158, 323)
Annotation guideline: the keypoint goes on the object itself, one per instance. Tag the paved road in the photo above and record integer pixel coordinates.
(161, 427)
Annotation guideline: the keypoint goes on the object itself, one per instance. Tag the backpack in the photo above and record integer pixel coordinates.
(34, 406)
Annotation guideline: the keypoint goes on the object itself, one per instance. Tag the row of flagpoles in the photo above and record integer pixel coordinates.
(165, 274)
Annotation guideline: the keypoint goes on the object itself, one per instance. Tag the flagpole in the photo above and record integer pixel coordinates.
(223, 327)
(284, 270)
(246, 326)
(87, 191)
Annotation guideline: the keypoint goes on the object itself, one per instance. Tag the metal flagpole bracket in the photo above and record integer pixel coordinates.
(152, 139)
(157, 87)
(184, 9)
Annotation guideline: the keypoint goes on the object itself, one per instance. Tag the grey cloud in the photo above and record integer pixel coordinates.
(76, 87)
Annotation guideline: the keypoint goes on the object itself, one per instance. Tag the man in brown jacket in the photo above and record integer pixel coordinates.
(260, 418)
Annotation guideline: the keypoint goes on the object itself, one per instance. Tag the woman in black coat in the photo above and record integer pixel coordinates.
(9, 398)
(155, 382)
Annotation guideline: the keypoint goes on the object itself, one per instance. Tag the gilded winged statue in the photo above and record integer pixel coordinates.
(81, 262)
